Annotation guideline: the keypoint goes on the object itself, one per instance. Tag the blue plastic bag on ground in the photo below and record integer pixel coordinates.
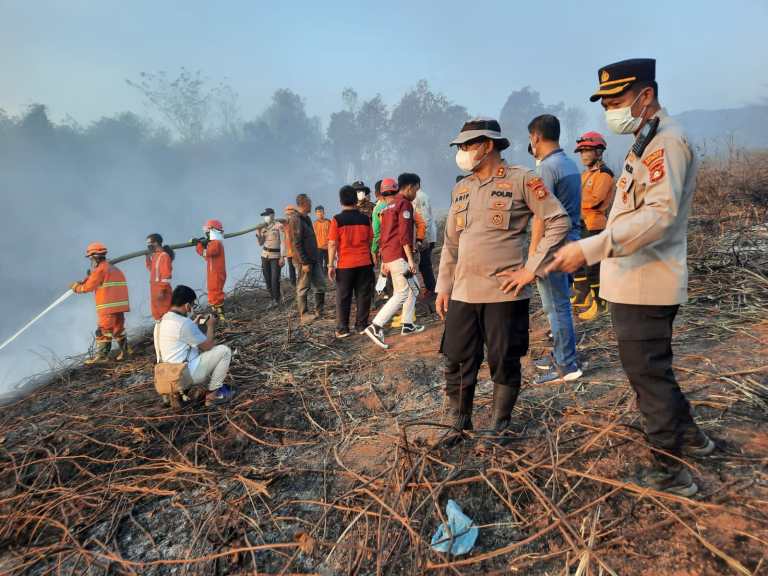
(460, 526)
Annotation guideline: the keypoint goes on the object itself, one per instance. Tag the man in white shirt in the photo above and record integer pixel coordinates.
(422, 205)
(178, 339)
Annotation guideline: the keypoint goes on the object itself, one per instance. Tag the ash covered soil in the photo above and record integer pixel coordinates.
(326, 462)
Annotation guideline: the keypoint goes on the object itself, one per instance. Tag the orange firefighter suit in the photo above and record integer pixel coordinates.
(216, 270)
(160, 268)
(111, 300)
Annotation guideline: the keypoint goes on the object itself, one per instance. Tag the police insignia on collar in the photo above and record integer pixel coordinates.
(500, 172)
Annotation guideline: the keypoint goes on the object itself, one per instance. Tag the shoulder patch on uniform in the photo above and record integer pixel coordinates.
(653, 157)
(656, 172)
(406, 214)
(655, 164)
(536, 185)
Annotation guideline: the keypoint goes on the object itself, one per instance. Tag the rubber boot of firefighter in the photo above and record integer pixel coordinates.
(219, 311)
(101, 355)
(596, 306)
(460, 414)
(397, 321)
(580, 291)
(125, 351)
(319, 304)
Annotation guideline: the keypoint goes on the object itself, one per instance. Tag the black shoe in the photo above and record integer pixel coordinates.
(408, 329)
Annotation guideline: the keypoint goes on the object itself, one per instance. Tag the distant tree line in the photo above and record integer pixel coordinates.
(199, 127)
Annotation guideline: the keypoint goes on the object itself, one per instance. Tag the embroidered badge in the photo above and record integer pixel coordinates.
(460, 221)
(604, 77)
(653, 157)
(622, 182)
(497, 219)
(406, 214)
(656, 172)
(504, 185)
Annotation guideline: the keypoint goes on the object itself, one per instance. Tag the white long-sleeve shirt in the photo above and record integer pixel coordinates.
(422, 205)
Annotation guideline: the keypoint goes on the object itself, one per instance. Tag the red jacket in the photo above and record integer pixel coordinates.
(216, 270)
(397, 229)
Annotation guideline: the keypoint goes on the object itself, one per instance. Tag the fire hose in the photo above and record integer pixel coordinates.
(130, 256)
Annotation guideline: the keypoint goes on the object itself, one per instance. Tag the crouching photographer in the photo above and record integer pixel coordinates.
(187, 355)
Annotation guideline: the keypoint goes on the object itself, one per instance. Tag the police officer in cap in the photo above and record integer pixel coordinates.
(644, 273)
(272, 241)
(482, 286)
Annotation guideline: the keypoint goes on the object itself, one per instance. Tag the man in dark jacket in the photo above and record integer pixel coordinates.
(307, 258)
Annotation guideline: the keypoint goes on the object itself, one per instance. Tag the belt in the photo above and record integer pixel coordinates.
(273, 250)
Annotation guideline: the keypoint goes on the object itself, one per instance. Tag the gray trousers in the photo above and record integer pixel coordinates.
(315, 278)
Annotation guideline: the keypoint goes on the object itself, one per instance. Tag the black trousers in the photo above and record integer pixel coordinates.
(270, 267)
(425, 267)
(358, 282)
(587, 277)
(501, 326)
(644, 334)
(291, 270)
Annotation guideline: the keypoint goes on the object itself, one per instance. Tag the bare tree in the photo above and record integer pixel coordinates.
(185, 102)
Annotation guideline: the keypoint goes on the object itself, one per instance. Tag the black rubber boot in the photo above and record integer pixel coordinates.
(460, 413)
(504, 399)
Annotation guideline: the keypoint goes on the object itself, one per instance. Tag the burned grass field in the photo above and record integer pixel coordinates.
(326, 462)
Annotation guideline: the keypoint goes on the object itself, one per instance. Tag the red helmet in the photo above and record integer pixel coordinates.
(215, 224)
(96, 249)
(590, 140)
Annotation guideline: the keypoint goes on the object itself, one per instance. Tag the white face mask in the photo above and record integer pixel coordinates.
(360, 195)
(465, 160)
(621, 121)
(268, 219)
(214, 234)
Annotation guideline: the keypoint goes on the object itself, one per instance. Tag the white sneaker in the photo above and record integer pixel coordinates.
(377, 335)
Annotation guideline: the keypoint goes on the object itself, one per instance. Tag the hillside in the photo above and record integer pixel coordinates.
(326, 463)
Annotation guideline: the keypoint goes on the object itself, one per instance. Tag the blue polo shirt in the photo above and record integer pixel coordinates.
(562, 178)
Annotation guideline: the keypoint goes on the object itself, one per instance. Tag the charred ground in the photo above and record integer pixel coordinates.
(326, 462)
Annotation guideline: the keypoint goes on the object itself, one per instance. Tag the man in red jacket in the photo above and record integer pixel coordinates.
(211, 247)
(397, 255)
(111, 289)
